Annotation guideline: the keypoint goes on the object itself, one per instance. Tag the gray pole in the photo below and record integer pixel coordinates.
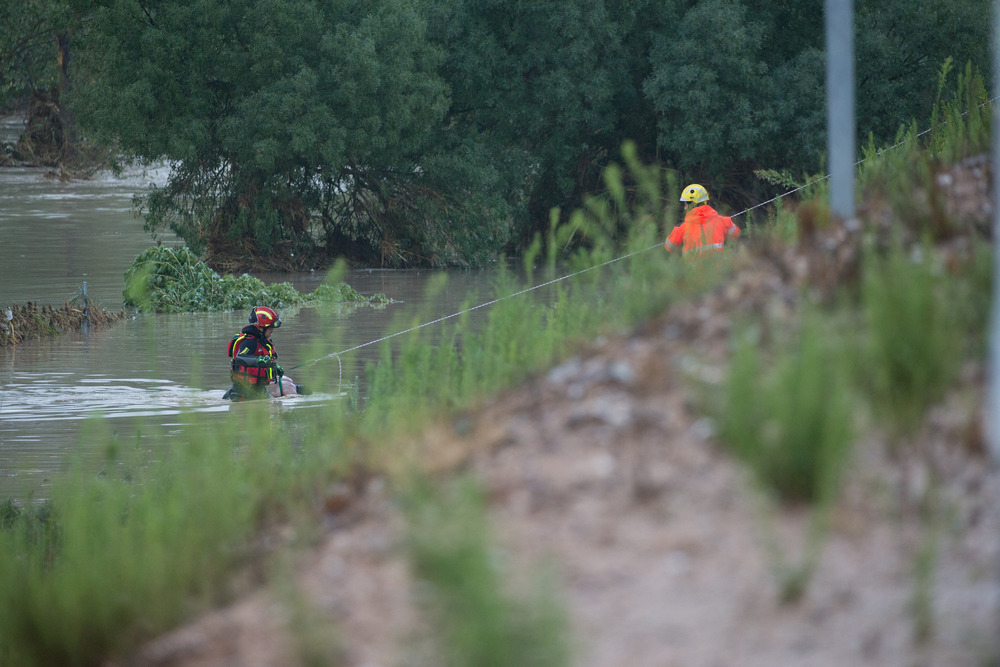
(992, 411)
(840, 123)
(86, 307)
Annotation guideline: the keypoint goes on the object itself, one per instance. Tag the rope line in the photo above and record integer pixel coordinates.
(477, 307)
(603, 264)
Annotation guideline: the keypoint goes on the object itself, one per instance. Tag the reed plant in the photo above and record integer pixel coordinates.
(903, 178)
(791, 422)
(960, 126)
(913, 337)
(153, 534)
(477, 619)
(124, 556)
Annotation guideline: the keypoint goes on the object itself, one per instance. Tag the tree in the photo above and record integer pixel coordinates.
(35, 57)
(709, 87)
(901, 45)
(268, 112)
(740, 85)
(553, 83)
(443, 131)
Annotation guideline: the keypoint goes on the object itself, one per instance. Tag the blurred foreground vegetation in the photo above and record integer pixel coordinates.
(117, 555)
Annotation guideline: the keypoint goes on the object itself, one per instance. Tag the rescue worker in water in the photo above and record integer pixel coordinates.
(703, 229)
(255, 369)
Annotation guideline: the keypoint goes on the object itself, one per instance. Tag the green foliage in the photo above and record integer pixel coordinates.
(912, 349)
(443, 132)
(689, 83)
(173, 280)
(960, 127)
(907, 177)
(924, 566)
(783, 178)
(342, 292)
(28, 49)
(114, 569)
(128, 552)
(552, 81)
(475, 618)
(792, 424)
(269, 112)
(900, 46)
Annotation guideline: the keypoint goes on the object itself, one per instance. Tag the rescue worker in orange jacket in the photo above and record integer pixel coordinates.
(703, 229)
(255, 369)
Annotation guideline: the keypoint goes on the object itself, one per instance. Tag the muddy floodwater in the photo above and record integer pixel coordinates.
(154, 369)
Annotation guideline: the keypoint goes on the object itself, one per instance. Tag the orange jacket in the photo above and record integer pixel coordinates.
(703, 229)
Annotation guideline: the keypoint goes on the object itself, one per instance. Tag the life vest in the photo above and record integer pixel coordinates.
(244, 348)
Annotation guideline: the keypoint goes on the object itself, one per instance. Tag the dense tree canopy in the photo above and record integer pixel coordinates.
(270, 112)
(442, 131)
(26, 49)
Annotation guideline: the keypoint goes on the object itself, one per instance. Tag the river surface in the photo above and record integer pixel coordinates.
(156, 368)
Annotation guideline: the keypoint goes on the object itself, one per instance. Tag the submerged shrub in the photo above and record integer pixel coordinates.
(174, 280)
(342, 292)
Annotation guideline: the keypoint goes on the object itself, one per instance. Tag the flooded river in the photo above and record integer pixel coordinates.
(58, 236)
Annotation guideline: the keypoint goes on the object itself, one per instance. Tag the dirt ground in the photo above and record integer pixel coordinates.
(603, 472)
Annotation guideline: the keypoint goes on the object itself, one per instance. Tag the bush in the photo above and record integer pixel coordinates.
(792, 425)
(174, 280)
(476, 622)
(913, 346)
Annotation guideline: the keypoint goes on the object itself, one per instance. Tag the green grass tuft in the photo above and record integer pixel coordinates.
(460, 576)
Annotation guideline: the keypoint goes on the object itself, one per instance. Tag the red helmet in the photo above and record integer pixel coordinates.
(264, 317)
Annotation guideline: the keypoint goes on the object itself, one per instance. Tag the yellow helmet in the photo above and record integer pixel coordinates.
(695, 193)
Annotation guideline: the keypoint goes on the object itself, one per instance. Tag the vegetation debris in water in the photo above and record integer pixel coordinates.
(173, 280)
(19, 323)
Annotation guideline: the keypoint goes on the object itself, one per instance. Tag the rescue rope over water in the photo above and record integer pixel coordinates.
(596, 266)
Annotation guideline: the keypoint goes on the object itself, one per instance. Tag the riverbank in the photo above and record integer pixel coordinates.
(19, 323)
(774, 455)
(605, 474)
(608, 480)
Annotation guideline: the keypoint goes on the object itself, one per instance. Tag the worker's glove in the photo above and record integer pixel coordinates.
(264, 360)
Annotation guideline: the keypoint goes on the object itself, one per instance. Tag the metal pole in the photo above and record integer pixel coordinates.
(840, 122)
(86, 307)
(992, 407)
(992, 411)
